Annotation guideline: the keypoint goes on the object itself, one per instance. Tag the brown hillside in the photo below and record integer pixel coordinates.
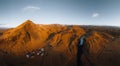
(59, 41)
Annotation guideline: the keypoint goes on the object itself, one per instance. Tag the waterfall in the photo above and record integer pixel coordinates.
(81, 40)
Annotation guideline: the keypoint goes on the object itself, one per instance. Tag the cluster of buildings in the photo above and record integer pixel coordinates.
(38, 52)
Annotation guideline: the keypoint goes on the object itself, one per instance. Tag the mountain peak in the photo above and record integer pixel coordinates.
(27, 23)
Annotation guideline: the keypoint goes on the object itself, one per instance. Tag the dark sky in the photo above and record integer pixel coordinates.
(80, 12)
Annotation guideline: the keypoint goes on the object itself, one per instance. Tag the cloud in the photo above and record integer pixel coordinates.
(31, 8)
(2, 24)
(94, 15)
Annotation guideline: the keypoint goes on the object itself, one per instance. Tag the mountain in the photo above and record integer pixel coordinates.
(60, 43)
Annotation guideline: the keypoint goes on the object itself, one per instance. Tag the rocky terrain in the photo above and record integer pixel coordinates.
(32, 44)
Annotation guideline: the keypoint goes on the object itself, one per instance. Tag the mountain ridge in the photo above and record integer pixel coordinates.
(59, 41)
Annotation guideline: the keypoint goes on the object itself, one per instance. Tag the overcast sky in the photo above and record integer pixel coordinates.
(80, 12)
